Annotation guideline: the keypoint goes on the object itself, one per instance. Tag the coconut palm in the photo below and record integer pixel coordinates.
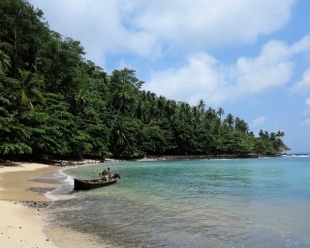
(5, 61)
(280, 134)
(201, 106)
(140, 135)
(220, 112)
(120, 139)
(280, 143)
(210, 114)
(29, 89)
(241, 125)
(229, 121)
(123, 97)
(260, 146)
(80, 100)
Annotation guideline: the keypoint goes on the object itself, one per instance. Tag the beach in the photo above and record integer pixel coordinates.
(22, 203)
(260, 202)
(217, 203)
(20, 225)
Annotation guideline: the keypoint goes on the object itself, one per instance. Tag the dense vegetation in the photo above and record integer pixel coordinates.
(54, 102)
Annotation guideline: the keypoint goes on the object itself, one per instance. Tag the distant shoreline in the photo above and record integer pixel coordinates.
(75, 162)
(22, 201)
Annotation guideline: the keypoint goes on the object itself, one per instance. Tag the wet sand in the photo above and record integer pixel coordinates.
(20, 225)
(23, 214)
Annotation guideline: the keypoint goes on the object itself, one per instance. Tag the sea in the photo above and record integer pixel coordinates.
(256, 202)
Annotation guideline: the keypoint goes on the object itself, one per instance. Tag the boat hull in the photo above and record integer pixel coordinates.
(81, 184)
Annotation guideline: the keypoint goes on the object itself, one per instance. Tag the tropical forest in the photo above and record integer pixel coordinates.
(56, 103)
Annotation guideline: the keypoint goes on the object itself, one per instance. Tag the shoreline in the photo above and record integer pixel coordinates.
(23, 188)
(20, 225)
(23, 201)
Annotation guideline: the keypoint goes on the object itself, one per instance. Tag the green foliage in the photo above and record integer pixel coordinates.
(14, 148)
(53, 102)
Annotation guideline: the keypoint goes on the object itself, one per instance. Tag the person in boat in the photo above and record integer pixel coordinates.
(106, 174)
(116, 175)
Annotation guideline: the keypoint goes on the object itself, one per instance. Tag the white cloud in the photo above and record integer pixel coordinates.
(300, 46)
(203, 77)
(149, 28)
(303, 85)
(144, 27)
(258, 121)
(210, 22)
(199, 78)
(271, 68)
(99, 25)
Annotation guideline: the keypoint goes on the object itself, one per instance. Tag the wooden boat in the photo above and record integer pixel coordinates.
(86, 184)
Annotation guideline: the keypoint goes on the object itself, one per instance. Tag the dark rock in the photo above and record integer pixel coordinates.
(35, 204)
(40, 191)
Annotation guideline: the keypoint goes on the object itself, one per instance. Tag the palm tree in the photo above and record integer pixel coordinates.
(241, 125)
(171, 108)
(28, 89)
(140, 135)
(5, 61)
(280, 134)
(280, 143)
(229, 121)
(123, 96)
(120, 139)
(260, 146)
(201, 106)
(80, 100)
(210, 114)
(220, 112)
(161, 103)
(261, 133)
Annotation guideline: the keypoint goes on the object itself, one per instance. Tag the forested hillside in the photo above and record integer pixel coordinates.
(54, 102)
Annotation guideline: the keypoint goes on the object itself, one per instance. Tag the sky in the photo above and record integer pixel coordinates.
(250, 57)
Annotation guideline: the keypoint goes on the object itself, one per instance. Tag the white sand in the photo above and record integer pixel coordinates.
(20, 226)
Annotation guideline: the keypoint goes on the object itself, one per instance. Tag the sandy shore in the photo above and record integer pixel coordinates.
(22, 226)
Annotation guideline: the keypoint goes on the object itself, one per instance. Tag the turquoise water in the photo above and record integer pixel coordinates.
(261, 202)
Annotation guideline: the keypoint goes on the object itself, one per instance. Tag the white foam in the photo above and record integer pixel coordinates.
(53, 195)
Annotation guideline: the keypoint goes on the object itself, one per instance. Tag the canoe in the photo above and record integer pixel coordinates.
(86, 184)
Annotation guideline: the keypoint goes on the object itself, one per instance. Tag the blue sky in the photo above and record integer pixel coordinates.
(250, 57)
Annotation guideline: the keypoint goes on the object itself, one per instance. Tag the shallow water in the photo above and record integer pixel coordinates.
(193, 203)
